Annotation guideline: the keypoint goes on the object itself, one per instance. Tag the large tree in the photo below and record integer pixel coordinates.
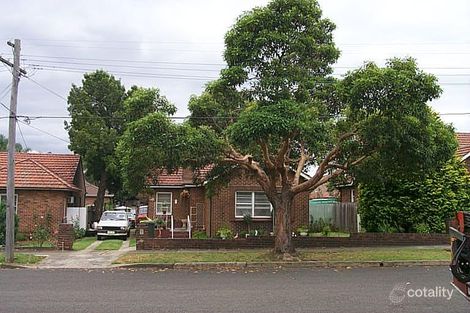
(276, 112)
(100, 110)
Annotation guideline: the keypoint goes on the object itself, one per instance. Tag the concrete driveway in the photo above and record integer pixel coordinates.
(87, 258)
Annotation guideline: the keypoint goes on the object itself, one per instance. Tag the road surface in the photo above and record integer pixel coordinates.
(281, 290)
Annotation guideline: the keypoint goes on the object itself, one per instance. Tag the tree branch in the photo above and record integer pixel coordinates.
(266, 155)
(301, 164)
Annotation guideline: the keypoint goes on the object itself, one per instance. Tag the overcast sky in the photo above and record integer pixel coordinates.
(176, 46)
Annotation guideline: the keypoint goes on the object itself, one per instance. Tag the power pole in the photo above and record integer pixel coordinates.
(10, 218)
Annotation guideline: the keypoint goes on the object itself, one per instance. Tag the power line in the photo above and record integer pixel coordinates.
(46, 88)
(43, 131)
(21, 133)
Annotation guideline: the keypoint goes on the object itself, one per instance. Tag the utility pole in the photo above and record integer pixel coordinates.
(10, 218)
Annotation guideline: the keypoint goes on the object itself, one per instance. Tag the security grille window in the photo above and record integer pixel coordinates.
(255, 204)
(164, 203)
(3, 199)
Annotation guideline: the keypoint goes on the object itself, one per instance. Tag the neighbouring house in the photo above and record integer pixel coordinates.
(175, 196)
(45, 185)
(92, 193)
(463, 150)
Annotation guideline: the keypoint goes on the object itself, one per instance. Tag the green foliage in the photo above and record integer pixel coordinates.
(101, 110)
(42, 231)
(78, 232)
(199, 235)
(3, 216)
(4, 145)
(326, 230)
(420, 205)
(224, 233)
(275, 107)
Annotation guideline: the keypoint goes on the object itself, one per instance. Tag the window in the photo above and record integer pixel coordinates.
(255, 204)
(3, 199)
(164, 203)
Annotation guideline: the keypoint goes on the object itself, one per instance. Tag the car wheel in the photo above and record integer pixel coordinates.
(99, 238)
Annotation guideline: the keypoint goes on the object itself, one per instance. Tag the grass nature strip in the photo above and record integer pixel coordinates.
(358, 255)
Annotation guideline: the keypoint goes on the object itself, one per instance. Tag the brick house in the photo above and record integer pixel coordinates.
(463, 150)
(44, 183)
(92, 193)
(176, 195)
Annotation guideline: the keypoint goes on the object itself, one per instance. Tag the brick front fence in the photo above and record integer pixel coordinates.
(355, 240)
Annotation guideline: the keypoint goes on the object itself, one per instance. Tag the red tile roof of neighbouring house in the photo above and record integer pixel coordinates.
(92, 190)
(41, 170)
(464, 144)
(180, 177)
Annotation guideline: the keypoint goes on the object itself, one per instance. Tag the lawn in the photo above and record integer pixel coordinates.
(83, 243)
(132, 242)
(377, 254)
(23, 258)
(33, 244)
(110, 244)
(197, 256)
(359, 255)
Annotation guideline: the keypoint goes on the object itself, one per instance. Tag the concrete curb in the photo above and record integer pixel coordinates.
(261, 265)
(12, 266)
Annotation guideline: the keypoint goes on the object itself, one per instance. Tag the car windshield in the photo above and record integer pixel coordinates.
(113, 216)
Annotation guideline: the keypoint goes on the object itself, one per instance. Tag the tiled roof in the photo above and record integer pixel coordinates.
(464, 144)
(41, 170)
(92, 190)
(180, 177)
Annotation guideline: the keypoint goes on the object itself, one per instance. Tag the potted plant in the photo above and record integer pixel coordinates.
(225, 233)
(302, 231)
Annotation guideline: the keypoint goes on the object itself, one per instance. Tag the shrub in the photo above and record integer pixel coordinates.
(224, 233)
(419, 205)
(199, 235)
(78, 232)
(3, 216)
(326, 230)
(42, 228)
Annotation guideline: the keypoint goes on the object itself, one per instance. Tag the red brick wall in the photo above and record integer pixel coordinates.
(180, 207)
(38, 203)
(346, 194)
(220, 209)
(223, 207)
(356, 240)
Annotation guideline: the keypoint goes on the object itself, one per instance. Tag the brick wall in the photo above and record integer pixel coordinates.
(356, 240)
(34, 204)
(223, 207)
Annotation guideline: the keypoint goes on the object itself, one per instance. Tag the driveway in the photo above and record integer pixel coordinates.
(87, 258)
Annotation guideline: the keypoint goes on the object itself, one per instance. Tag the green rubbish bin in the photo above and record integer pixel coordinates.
(151, 230)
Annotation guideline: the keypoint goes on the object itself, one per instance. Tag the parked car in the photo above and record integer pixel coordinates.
(131, 213)
(113, 224)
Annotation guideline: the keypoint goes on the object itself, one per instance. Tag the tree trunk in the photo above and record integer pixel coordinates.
(283, 228)
(99, 202)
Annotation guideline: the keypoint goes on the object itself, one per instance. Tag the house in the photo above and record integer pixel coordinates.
(45, 185)
(463, 150)
(175, 196)
(92, 193)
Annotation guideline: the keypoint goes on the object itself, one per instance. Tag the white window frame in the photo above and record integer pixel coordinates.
(253, 205)
(16, 200)
(171, 203)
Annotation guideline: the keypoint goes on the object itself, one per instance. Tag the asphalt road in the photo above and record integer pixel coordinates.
(282, 290)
